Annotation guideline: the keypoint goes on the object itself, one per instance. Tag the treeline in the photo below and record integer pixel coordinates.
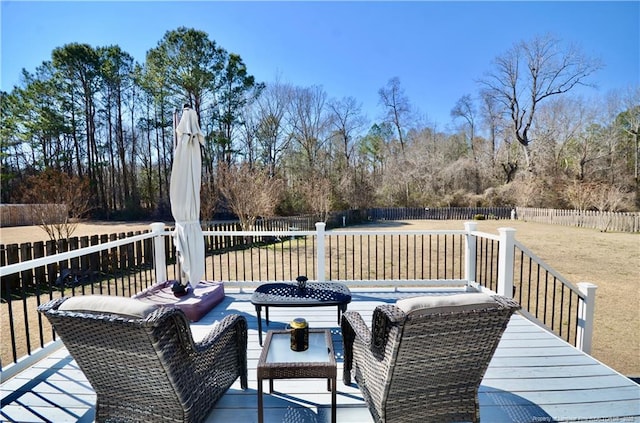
(94, 119)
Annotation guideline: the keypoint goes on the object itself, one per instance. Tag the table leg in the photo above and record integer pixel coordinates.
(341, 309)
(258, 310)
(266, 312)
(260, 403)
(333, 381)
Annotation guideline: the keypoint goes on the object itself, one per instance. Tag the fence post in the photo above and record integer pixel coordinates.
(159, 262)
(586, 310)
(471, 256)
(320, 226)
(505, 261)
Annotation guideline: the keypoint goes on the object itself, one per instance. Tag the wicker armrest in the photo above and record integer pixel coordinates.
(51, 305)
(356, 331)
(392, 313)
(233, 326)
(357, 325)
(507, 302)
(230, 322)
(353, 326)
(384, 317)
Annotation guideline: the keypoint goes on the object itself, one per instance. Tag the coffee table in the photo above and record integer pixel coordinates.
(278, 361)
(283, 294)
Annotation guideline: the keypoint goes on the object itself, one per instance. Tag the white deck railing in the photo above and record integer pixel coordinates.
(506, 259)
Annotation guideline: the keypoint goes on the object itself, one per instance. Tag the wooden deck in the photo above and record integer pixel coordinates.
(533, 377)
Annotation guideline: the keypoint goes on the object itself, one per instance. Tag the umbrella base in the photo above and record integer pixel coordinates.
(196, 303)
(178, 289)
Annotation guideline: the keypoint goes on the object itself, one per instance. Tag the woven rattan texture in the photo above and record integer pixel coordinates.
(298, 370)
(334, 293)
(151, 370)
(423, 369)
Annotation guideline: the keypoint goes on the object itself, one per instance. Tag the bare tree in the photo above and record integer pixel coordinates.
(248, 135)
(529, 73)
(249, 192)
(466, 110)
(580, 195)
(608, 197)
(564, 141)
(317, 193)
(346, 123)
(601, 196)
(309, 124)
(629, 122)
(270, 115)
(492, 117)
(50, 189)
(357, 189)
(396, 106)
(346, 120)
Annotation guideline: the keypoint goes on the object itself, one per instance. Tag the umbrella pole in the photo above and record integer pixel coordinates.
(178, 288)
(175, 129)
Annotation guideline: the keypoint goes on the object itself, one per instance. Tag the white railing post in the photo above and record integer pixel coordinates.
(471, 256)
(505, 261)
(320, 227)
(159, 263)
(586, 310)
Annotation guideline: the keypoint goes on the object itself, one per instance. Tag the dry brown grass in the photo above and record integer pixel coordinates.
(609, 260)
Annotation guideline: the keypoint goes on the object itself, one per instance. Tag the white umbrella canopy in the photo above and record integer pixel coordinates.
(184, 193)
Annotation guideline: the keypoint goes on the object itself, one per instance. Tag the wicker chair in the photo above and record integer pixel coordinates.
(142, 361)
(425, 357)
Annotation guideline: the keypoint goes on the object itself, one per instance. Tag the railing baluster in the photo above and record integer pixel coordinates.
(521, 276)
(422, 261)
(561, 310)
(546, 296)
(437, 256)
(537, 288)
(569, 315)
(445, 257)
(430, 256)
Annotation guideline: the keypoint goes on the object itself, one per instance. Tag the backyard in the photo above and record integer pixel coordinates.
(609, 260)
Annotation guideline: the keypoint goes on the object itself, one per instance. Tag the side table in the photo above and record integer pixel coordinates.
(278, 361)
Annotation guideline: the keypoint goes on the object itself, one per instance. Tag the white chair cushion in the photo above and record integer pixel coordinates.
(430, 304)
(123, 306)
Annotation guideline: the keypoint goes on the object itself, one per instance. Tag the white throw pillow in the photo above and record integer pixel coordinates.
(108, 304)
(430, 304)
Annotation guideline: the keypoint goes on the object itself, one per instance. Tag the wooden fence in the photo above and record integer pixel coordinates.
(603, 221)
(32, 214)
(134, 256)
(441, 213)
(127, 257)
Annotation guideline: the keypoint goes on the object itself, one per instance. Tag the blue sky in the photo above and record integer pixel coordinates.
(437, 49)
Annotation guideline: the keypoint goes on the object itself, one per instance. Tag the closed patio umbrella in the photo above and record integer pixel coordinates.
(184, 192)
